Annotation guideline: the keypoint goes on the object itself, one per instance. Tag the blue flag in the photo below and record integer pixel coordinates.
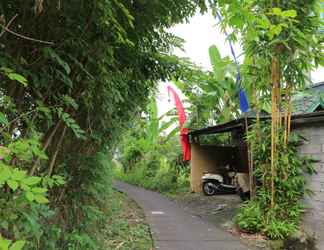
(244, 104)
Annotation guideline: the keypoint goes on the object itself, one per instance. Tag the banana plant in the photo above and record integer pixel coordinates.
(213, 95)
(157, 127)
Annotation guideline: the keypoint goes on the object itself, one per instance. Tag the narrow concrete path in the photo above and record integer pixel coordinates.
(174, 229)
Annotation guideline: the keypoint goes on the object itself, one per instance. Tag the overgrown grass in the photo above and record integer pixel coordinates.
(126, 228)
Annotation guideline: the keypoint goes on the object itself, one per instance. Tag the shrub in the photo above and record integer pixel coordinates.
(283, 218)
(249, 217)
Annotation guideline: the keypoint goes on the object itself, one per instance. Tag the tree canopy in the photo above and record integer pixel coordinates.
(73, 75)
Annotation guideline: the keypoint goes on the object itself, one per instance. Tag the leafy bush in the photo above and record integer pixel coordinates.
(92, 188)
(24, 199)
(282, 219)
(249, 217)
(150, 157)
(155, 171)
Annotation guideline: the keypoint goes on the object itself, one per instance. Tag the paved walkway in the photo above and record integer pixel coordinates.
(174, 229)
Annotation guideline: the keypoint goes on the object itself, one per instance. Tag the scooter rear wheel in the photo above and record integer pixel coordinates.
(209, 188)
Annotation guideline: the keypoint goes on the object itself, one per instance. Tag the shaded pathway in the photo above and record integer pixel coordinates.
(173, 228)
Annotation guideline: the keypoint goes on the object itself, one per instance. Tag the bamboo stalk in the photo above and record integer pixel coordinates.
(286, 117)
(47, 143)
(58, 146)
(250, 163)
(275, 123)
(273, 131)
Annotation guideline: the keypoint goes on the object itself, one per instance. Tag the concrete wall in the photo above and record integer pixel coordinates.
(314, 217)
(207, 158)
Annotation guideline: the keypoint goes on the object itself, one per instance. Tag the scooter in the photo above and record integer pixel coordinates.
(233, 183)
(214, 184)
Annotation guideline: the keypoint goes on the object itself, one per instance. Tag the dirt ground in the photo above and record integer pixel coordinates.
(220, 211)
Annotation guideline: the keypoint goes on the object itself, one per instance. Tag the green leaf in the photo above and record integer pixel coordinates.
(41, 199)
(59, 180)
(18, 245)
(4, 243)
(12, 184)
(56, 58)
(18, 175)
(3, 119)
(276, 11)
(69, 101)
(45, 110)
(289, 13)
(65, 78)
(4, 151)
(6, 70)
(18, 78)
(217, 62)
(30, 196)
(38, 190)
(5, 173)
(24, 187)
(33, 180)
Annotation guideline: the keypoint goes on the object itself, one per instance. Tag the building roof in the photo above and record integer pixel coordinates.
(309, 100)
(296, 120)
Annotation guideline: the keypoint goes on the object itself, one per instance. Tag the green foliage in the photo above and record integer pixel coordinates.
(71, 123)
(289, 30)
(9, 245)
(280, 39)
(93, 193)
(14, 76)
(24, 198)
(249, 217)
(151, 156)
(213, 96)
(283, 219)
(77, 87)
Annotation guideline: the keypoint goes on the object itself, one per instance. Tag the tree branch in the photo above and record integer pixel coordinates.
(8, 24)
(24, 37)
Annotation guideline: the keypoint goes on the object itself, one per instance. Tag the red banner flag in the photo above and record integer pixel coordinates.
(184, 138)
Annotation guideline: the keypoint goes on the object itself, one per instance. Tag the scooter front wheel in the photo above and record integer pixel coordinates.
(209, 188)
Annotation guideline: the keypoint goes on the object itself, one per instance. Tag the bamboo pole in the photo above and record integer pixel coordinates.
(250, 162)
(275, 123)
(58, 147)
(46, 144)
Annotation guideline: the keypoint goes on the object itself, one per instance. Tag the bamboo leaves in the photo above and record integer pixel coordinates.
(71, 123)
(50, 53)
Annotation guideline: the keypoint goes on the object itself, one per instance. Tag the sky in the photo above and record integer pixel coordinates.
(199, 34)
